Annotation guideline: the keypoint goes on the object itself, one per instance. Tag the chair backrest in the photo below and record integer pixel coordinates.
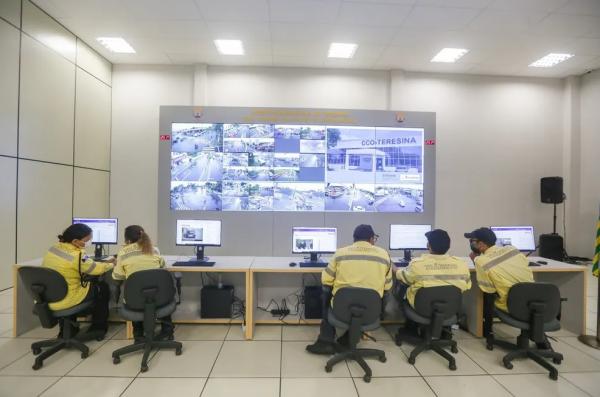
(153, 286)
(364, 304)
(526, 298)
(45, 286)
(445, 300)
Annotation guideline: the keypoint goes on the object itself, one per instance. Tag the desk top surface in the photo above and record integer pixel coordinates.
(281, 264)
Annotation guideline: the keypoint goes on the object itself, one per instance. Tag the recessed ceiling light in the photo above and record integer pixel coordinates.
(342, 50)
(230, 47)
(449, 55)
(116, 44)
(550, 60)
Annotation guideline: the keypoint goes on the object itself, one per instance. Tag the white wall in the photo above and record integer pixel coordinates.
(586, 208)
(496, 136)
(54, 92)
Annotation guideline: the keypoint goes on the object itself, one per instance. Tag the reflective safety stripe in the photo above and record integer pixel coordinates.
(329, 271)
(442, 277)
(486, 284)
(500, 259)
(91, 268)
(61, 254)
(371, 258)
(131, 254)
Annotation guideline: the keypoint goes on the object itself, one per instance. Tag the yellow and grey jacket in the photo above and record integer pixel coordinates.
(64, 258)
(131, 259)
(359, 265)
(499, 268)
(430, 270)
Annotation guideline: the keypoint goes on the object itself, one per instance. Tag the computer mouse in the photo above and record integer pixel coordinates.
(292, 264)
(542, 262)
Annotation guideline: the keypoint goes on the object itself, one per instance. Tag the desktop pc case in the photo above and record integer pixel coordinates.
(313, 307)
(216, 302)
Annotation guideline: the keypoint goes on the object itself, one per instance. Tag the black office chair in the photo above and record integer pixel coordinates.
(435, 308)
(48, 286)
(356, 310)
(534, 309)
(149, 295)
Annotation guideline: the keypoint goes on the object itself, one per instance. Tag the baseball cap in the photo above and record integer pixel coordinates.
(438, 240)
(363, 232)
(483, 234)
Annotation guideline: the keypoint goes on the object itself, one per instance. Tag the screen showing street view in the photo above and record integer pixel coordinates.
(266, 167)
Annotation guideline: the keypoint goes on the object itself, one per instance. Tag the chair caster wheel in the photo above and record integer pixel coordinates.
(557, 361)
(508, 365)
(367, 378)
(99, 338)
(454, 349)
(178, 352)
(382, 359)
(398, 341)
(328, 369)
(144, 368)
(411, 360)
(116, 360)
(489, 347)
(452, 366)
(84, 354)
(36, 366)
(553, 375)
(36, 351)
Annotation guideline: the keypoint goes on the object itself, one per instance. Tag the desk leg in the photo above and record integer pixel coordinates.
(23, 318)
(250, 306)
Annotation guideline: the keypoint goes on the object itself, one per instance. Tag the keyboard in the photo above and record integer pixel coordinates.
(534, 264)
(101, 258)
(312, 264)
(401, 263)
(194, 263)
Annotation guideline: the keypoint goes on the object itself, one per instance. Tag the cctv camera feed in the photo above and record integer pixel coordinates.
(271, 167)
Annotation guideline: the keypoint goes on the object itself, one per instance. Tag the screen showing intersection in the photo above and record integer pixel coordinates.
(266, 167)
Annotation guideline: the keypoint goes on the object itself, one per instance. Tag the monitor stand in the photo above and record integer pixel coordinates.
(313, 261)
(407, 255)
(199, 261)
(99, 252)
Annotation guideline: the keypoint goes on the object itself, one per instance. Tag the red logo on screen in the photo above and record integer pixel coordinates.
(430, 142)
(165, 137)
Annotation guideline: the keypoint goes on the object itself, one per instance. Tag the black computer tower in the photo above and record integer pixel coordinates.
(216, 302)
(552, 246)
(313, 307)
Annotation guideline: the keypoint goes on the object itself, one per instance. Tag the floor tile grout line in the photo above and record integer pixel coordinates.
(351, 377)
(127, 387)
(575, 385)
(575, 347)
(429, 385)
(50, 386)
(214, 363)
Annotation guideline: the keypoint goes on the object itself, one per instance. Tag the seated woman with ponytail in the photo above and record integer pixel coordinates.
(68, 257)
(139, 254)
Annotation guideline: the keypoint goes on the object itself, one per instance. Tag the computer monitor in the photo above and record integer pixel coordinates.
(408, 237)
(520, 237)
(199, 233)
(104, 231)
(314, 240)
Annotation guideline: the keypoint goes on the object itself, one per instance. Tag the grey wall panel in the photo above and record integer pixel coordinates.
(9, 88)
(8, 213)
(45, 206)
(47, 104)
(93, 63)
(92, 122)
(11, 11)
(91, 193)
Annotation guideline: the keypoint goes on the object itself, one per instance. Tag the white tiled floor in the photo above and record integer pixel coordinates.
(216, 362)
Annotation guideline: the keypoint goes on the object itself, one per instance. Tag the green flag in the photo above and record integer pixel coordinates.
(597, 254)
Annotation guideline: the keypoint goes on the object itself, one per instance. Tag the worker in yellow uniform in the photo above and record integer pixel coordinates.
(498, 269)
(139, 254)
(434, 269)
(68, 257)
(361, 264)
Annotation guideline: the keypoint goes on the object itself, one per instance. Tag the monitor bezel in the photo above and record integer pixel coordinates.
(532, 229)
(97, 219)
(199, 245)
(405, 249)
(314, 227)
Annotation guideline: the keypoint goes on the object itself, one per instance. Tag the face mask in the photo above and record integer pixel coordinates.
(474, 248)
(88, 244)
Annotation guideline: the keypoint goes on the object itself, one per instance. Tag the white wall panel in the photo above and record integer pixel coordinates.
(9, 88)
(8, 213)
(91, 193)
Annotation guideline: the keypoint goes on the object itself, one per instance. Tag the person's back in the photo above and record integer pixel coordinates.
(359, 265)
(431, 270)
(499, 268)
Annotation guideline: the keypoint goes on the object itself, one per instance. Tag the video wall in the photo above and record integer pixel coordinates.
(270, 167)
